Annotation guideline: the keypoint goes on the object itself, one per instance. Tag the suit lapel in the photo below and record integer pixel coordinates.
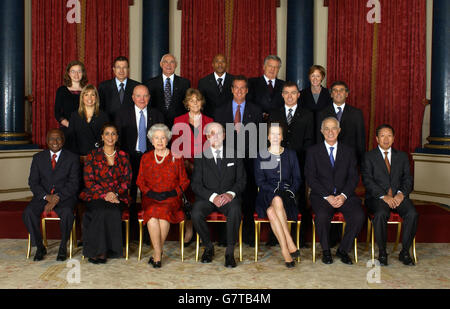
(381, 163)
(212, 163)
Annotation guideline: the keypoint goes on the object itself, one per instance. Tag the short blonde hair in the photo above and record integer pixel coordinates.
(191, 92)
(159, 127)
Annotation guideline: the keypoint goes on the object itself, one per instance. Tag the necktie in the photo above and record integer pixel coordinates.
(289, 117)
(331, 156)
(54, 161)
(167, 93)
(219, 80)
(237, 118)
(388, 166)
(270, 87)
(218, 159)
(121, 92)
(142, 144)
(339, 114)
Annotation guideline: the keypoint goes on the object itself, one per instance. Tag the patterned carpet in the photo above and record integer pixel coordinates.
(431, 272)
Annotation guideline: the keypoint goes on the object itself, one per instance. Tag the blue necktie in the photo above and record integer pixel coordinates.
(142, 144)
(339, 114)
(331, 156)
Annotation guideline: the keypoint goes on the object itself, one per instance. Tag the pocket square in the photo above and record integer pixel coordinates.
(230, 164)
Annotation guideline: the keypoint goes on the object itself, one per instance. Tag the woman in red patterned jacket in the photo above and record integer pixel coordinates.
(162, 179)
(107, 178)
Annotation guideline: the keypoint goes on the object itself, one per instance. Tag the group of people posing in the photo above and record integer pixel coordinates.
(168, 140)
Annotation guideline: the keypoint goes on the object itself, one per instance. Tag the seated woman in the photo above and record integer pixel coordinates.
(196, 121)
(278, 178)
(162, 179)
(107, 178)
(86, 123)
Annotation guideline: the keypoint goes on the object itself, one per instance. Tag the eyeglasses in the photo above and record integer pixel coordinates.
(75, 72)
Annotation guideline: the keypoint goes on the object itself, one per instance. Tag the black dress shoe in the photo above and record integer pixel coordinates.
(93, 261)
(40, 253)
(405, 258)
(326, 257)
(383, 258)
(208, 254)
(295, 254)
(290, 264)
(155, 264)
(230, 262)
(344, 257)
(62, 254)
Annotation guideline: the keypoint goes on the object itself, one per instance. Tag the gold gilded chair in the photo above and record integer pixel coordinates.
(218, 217)
(338, 218)
(258, 222)
(53, 216)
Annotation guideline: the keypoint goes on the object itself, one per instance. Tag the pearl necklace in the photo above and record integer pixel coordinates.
(110, 155)
(156, 158)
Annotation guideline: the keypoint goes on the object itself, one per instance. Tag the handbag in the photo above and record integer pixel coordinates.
(186, 205)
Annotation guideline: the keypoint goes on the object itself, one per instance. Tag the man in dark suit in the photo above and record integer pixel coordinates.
(298, 135)
(54, 181)
(351, 120)
(332, 174)
(168, 90)
(216, 87)
(116, 92)
(218, 182)
(385, 174)
(246, 117)
(133, 123)
(265, 91)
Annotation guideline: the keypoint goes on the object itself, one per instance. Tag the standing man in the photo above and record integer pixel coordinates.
(385, 174)
(351, 120)
(116, 92)
(265, 91)
(168, 90)
(332, 174)
(298, 135)
(218, 182)
(216, 87)
(54, 181)
(133, 123)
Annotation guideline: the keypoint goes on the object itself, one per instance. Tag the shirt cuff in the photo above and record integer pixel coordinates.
(232, 193)
(212, 197)
(344, 195)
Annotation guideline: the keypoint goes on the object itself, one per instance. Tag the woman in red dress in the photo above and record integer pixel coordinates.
(188, 129)
(162, 179)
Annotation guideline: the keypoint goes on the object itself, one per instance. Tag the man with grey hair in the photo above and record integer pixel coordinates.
(168, 90)
(332, 174)
(265, 91)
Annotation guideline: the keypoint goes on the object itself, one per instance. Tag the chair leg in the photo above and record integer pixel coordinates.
(71, 240)
(369, 226)
(44, 233)
(256, 240)
(399, 230)
(140, 239)
(74, 231)
(373, 244)
(197, 245)
(181, 227)
(314, 242)
(414, 250)
(356, 250)
(344, 224)
(240, 242)
(127, 244)
(298, 238)
(29, 246)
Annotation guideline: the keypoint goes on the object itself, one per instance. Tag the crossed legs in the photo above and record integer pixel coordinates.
(158, 230)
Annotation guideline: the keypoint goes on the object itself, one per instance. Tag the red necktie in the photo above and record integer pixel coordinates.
(388, 166)
(54, 161)
(237, 118)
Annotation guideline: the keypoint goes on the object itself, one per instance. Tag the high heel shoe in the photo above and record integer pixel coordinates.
(295, 254)
(290, 264)
(155, 264)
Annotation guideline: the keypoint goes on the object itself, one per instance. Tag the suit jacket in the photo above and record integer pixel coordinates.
(176, 108)
(322, 178)
(299, 135)
(376, 178)
(128, 130)
(258, 93)
(352, 133)
(110, 99)
(307, 99)
(64, 178)
(213, 98)
(208, 179)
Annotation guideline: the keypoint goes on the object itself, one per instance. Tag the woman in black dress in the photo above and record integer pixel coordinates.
(107, 176)
(86, 123)
(68, 97)
(278, 179)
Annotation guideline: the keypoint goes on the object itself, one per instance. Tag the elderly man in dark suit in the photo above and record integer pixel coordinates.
(388, 182)
(168, 90)
(116, 92)
(332, 174)
(216, 87)
(351, 120)
(218, 182)
(265, 91)
(54, 181)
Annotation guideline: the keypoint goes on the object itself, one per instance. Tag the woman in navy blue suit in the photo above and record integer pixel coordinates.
(278, 179)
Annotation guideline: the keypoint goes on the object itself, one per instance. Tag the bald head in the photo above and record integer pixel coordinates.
(141, 96)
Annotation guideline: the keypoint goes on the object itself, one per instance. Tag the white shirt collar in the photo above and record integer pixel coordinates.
(334, 149)
(171, 78)
(267, 81)
(294, 108)
(222, 77)
(119, 82)
(57, 154)
(336, 107)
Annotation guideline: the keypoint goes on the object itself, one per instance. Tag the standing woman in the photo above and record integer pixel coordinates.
(278, 179)
(193, 122)
(107, 177)
(161, 179)
(85, 125)
(68, 97)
